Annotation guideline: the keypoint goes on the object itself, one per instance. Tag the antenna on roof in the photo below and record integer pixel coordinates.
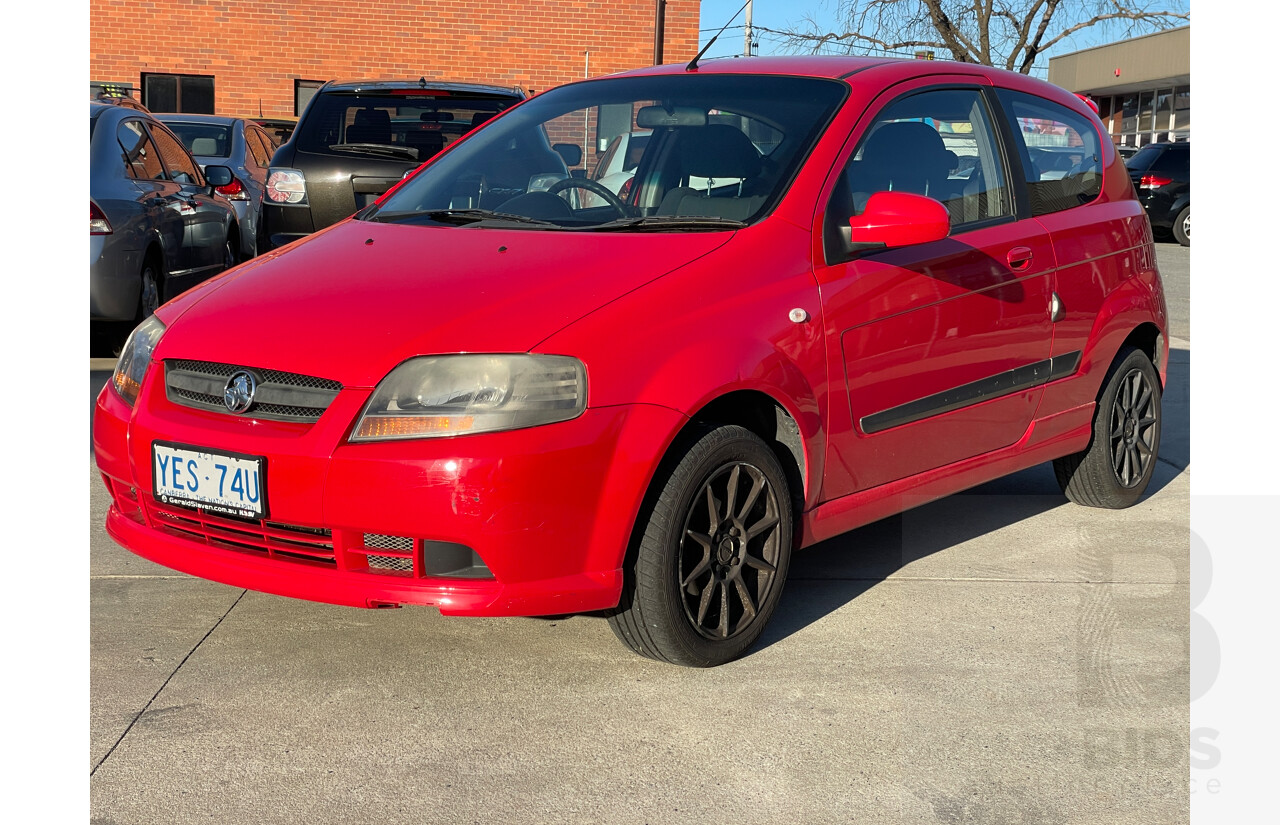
(693, 64)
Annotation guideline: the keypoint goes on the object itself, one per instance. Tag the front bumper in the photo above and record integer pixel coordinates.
(548, 511)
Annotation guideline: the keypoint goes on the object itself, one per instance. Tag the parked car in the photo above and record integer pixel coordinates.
(1125, 152)
(246, 148)
(1161, 173)
(357, 139)
(156, 223)
(617, 167)
(514, 404)
(278, 128)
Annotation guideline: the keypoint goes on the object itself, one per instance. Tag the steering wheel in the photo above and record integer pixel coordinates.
(594, 188)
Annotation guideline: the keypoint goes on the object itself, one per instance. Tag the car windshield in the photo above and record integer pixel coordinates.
(719, 151)
(209, 140)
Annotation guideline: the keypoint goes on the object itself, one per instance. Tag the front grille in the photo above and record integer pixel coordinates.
(280, 396)
(273, 539)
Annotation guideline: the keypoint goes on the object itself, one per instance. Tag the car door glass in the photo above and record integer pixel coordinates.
(1060, 150)
(182, 169)
(258, 147)
(938, 143)
(141, 160)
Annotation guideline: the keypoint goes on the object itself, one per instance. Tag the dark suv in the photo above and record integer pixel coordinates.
(357, 139)
(1161, 174)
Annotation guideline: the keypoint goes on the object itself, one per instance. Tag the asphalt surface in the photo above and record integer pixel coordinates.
(999, 656)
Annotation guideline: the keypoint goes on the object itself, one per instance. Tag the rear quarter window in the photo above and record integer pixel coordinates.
(1060, 150)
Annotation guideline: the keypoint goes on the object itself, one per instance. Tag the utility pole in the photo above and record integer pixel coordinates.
(659, 27)
(746, 36)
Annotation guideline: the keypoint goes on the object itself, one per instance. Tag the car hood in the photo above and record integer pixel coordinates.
(351, 302)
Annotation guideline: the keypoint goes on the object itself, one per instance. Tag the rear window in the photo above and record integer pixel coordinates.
(208, 140)
(413, 126)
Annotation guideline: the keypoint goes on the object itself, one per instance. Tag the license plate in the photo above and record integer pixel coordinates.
(220, 482)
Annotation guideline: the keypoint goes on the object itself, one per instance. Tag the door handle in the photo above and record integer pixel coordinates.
(1019, 258)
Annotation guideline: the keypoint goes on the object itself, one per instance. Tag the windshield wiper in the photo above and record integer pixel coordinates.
(404, 152)
(668, 222)
(464, 216)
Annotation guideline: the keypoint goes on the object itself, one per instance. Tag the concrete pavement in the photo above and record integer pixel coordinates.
(998, 656)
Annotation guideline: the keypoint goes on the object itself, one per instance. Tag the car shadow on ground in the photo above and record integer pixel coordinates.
(849, 565)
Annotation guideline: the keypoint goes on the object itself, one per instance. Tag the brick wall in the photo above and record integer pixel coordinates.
(255, 49)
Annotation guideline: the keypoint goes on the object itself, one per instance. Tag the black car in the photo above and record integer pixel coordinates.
(357, 139)
(1161, 174)
(157, 226)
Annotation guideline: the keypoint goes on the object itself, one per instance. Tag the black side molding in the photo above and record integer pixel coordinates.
(984, 389)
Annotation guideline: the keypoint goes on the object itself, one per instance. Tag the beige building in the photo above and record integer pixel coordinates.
(1142, 86)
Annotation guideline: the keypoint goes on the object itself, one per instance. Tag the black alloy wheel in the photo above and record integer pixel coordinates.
(729, 551)
(1134, 428)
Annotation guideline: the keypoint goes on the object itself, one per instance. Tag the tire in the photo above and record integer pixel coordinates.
(1182, 226)
(151, 295)
(1116, 467)
(230, 251)
(710, 551)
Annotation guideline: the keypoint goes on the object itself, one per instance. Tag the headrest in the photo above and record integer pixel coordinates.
(910, 141)
(718, 151)
(204, 146)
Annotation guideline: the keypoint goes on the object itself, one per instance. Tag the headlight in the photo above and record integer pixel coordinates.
(460, 394)
(135, 358)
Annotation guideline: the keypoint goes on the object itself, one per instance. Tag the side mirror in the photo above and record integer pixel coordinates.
(894, 219)
(570, 152)
(217, 176)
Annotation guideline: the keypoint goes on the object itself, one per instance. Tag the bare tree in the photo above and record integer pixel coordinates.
(1005, 33)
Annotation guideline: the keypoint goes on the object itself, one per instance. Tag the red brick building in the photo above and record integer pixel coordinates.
(262, 58)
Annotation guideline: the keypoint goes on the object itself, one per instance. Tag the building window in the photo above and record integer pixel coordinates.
(303, 91)
(1182, 112)
(188, 93)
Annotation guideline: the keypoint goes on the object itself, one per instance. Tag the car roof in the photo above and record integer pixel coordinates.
(418, 83)
(180, 117)
(864, 73)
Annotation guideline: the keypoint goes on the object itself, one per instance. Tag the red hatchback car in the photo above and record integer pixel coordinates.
(891, 280)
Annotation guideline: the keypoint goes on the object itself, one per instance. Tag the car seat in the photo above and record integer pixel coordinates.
(717, 150)
(903, 156)
(370, 126)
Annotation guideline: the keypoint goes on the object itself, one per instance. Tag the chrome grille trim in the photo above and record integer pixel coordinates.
(281, 396)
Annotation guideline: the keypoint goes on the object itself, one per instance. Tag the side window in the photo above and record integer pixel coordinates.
(182, 168)
(1060, 152)
(257, 147)
(141, 160)
(938, 143)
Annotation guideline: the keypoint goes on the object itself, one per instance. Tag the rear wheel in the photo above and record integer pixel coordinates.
(1116, 467)
(712, 551)
(151, 296)
(1182, 226)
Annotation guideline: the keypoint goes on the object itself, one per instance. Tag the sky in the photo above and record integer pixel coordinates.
(791, 14)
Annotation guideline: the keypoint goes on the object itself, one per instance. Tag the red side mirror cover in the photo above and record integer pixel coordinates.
(900, 219)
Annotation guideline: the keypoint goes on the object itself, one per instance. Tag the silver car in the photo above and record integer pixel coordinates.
(156, 225)
(240, 144)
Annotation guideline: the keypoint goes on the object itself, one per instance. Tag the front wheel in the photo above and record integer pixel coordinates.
(1116, 467)
(712, 550)
(1182, 226)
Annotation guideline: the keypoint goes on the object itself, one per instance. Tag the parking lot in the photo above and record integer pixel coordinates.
(997, 656)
